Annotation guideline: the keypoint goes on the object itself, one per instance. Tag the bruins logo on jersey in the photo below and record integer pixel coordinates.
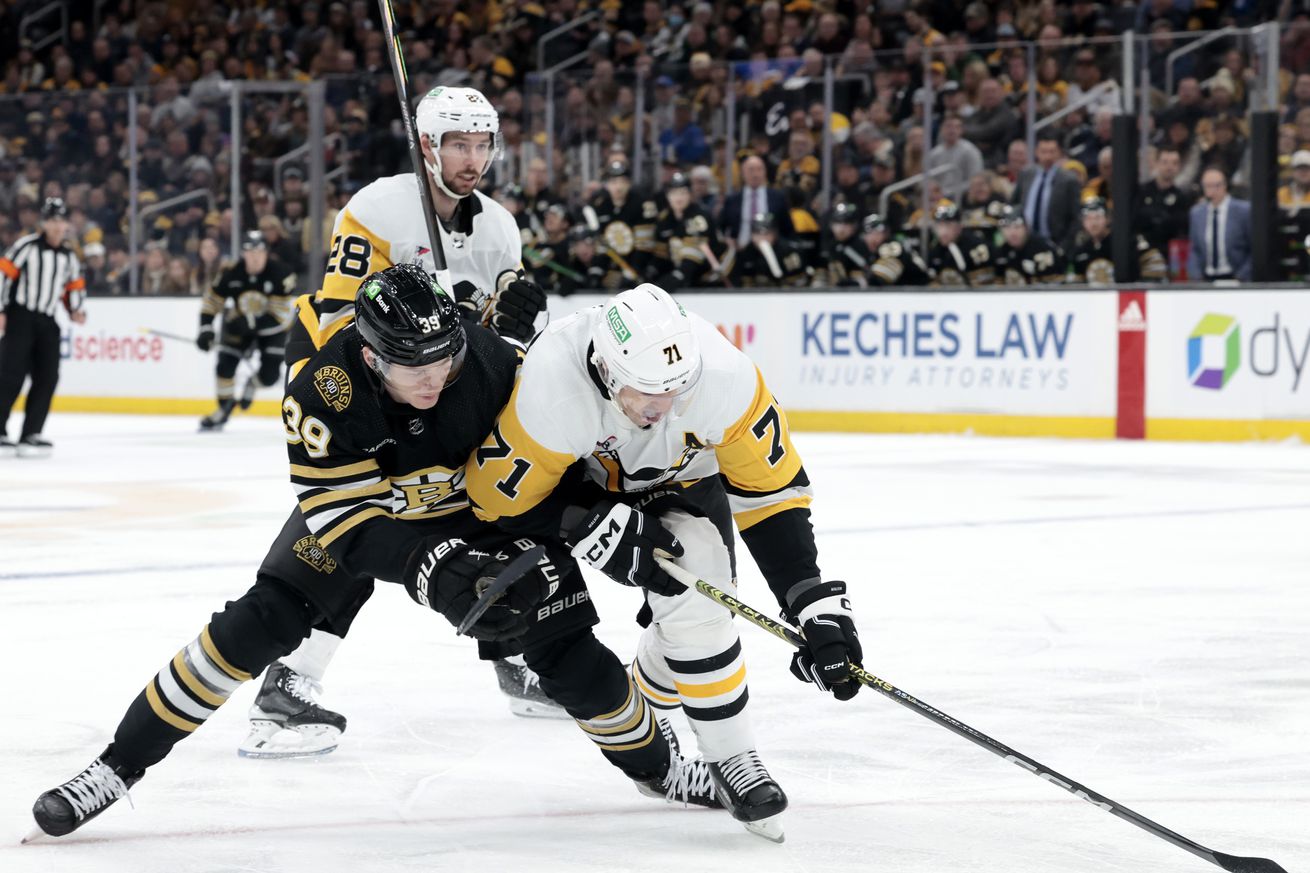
(334, 387)
(252, 304)
(1100, 272)
(308, 550)
(620, 238)
(950, 276)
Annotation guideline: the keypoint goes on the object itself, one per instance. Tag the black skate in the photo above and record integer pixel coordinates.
(216, 419)
(523, 688)
(35, 446)
(750, 794)
(683, 780)
(63, 810)
(286, 720)
(7, 446)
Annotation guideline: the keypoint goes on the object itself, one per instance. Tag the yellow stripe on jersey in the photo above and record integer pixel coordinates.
(356, 252)
(207, 643)
(334, 472)
(335, 494)
(757, 455)
(713, 689)
(330, 536)
(512, 472)
(165, 714)
(749, 517)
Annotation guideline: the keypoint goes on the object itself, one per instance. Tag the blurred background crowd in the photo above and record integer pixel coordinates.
(888, 105)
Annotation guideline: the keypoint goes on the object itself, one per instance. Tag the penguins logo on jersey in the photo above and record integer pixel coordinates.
(334, 387)
(308, 550)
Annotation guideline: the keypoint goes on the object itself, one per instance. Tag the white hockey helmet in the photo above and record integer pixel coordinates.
(644, 339)
(446, 110)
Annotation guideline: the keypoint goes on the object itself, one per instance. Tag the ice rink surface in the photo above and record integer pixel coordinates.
(1135, 616)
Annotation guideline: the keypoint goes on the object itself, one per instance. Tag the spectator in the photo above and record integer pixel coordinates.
(1163, 204)
(755, 198)
(685, 140)
(800, 170)
(992, 125)
(1048, 195)
(177, 278)
(961, 157)
(280, 245)
(1088, 145)
(1220, 230)
(704, 190)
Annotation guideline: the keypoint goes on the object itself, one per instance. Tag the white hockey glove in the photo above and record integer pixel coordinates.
(823, 612)
(621, 542)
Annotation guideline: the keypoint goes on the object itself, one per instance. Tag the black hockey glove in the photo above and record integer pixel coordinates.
(824, 614)
(621, 542)
(515, 307)
(447, 575)
(205, 339)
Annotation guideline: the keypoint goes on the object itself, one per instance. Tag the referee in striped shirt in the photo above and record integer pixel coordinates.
(37, 274)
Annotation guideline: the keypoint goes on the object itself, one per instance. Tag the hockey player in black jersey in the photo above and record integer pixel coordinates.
(769, 261)
(379, 425)
(894, 262)
(625, 218)
(959, 256)
(1092, 260)
(682, 256)
(844, 261)
(1024, 258)
(588, 269)
(253, 301)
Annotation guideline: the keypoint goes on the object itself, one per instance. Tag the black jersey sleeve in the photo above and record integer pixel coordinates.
(343, 493)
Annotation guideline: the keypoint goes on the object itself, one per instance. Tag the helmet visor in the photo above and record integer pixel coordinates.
(443, 372)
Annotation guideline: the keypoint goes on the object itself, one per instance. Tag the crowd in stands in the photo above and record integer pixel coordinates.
(932, 85)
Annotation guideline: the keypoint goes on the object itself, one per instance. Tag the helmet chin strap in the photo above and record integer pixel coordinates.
(434, 167)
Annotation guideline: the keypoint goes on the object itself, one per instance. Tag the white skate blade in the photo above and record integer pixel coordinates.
(35, 452)
(33, 835)
(769, 828)
(536, 709)
(269, 740)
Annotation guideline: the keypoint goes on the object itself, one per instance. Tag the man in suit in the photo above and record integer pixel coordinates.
(755, 198)
(1048, 195)
(1220, 231)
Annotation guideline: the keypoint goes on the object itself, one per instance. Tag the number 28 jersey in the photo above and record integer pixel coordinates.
(559, 414)
(382, 225)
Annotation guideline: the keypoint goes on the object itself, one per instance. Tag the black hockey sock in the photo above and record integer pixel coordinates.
(588, 680)
(267, 622)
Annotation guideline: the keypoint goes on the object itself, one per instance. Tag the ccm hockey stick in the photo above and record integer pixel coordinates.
(788, 634)
(392, 40)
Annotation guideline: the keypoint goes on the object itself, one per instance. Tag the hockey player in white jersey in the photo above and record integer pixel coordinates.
(382, 225)
(636, 427)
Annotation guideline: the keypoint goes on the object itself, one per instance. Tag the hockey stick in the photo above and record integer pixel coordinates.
(189, 340)
(392, 39)
(788, 634)
(513, 572)
(535, 256)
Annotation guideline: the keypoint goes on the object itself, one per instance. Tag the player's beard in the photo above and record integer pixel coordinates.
(463, 183)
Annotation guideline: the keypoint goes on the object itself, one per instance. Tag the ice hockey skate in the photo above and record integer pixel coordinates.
(521, 686)
(286, 720)
(751, 794)
(35, 446)
(216, 419)
(685, 780)
(63, 810)
(248, 393)
(8, 448)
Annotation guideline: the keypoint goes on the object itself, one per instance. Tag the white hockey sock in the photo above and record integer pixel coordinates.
(314, 655)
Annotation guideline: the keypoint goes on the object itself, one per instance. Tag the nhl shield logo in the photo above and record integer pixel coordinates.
(334, 387)
(308, 550)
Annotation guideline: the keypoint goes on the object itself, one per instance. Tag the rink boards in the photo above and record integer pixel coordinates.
(1229, 364)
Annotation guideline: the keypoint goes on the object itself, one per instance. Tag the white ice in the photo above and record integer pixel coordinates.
(1135, 616)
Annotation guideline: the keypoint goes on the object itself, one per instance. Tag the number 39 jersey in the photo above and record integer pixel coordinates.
(383, 224)
(728, 424)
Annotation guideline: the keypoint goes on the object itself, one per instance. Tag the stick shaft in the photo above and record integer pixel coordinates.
(977, 737)
(392, 41)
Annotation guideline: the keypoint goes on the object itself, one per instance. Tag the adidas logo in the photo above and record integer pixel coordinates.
(1132, 317)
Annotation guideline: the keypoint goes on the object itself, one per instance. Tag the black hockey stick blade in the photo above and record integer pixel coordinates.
(513, 572)
(1246, 865)
(788, 634)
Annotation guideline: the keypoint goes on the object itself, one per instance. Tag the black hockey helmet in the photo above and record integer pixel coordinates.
(873, 221)
(1011, 216)
(1094, 204)
(946, 212)
(845, 213)
(54, 207)
(253, 239)
(617, 169)
(407, 320)
(764, 222)
(678, 180)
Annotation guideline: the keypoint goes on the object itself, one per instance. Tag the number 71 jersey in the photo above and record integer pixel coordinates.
(559, 413)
